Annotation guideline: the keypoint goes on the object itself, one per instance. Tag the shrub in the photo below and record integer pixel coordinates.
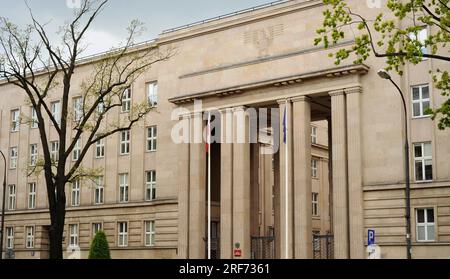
(99, 247)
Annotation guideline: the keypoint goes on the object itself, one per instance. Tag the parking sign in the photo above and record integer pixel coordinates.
(371, 237)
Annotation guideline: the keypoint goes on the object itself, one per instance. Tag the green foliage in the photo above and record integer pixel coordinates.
(383, 38)
(99, 247)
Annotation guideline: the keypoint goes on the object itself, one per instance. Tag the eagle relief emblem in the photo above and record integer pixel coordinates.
(262, 39)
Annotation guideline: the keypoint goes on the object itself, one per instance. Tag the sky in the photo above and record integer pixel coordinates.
(109, 29)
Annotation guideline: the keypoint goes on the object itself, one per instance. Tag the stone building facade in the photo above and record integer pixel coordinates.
(263, 58)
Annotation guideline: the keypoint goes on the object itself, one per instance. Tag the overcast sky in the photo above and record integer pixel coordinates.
(109, 28)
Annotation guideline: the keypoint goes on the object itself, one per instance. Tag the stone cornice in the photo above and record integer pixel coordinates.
(353, 90)
(277, 82)
(336, 93)
(301, 99)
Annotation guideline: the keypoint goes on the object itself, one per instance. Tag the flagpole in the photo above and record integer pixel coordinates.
(287, 180)
(209, 185)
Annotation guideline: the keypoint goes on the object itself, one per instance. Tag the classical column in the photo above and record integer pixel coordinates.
(340, 186)
(254, 189)
(226, 185)
(197, 202)
(268, 192)
(241, 182)
(302, 178)
(286, 174)
(183, 192)
(356, 221)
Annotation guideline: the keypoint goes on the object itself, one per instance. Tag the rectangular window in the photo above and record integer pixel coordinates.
(420, 100)
(33, 155)
(100, 149)
(32, 195)
(425, 225)
(126, 100)
(420, 36)
(13, 154)
(73, 235)
(11, 197)
(76, 151)
(54, 151)
(29, 237)
(314, 135)
(34, 119)
(315, 204)
(9, 238)
(123, 234)
(123, 188)
(56, 111)
(15, 120)
(125, 142)
(423, 161)
(101, 108)
(99, 191)
(153, 94)
(78, 109)
(314, 168)
(75, 193)
(149, 233)
(151, 138)
(96, 227)
(150, 186)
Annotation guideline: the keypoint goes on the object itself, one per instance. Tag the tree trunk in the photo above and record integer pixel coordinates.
(57, 217)
(56, 239)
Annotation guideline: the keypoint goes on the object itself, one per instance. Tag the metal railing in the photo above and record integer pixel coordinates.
(248, 10)
(323, 247)
(263, 248)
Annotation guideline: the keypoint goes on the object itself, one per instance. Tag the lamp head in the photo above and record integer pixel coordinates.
(384, 74)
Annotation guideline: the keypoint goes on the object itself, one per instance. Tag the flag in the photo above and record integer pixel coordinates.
(285, 126)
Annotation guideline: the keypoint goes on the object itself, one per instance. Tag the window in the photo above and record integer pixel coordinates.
(151, 138)
(32, 195)
(420, 100)
(100, 149)
(9, 238)
(150, 186)
(34, 119)
(11, 197)
(13, 154)
(314, 135)
(56, 111)
(54, 151)
(33, 155)
(99, 191)
(315, 204)
(15, 122)
(76, 151)
(29, 237)
(75, 193)
(420, 37)
(126, 100)
(123, 188)
(78, 109)
(153, 94)
(73, 235)
(123, 234)
(125, 143)
(101, 108)
(314, 168)
(425, 226)
(149, 233)
(96, 227)
(423, 161)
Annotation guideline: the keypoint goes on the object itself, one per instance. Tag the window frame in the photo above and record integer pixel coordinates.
(426, 224)
(75, 193)
(125, 143)
(315, 168)
(314, 135)
(100, 190)
(93, 228)
(152, 138)
(124, 235)
(151, 233)
(126, 100)
(34, 124)
(423, 160)
(33, 155)
(13, 158)
(9, 238)
(75, 236)
(29, 237)
(315, 205)
(32, 195)
(100, 146)
(15, 121)
(152, 95)
(124, 196)
(56, 114)
(12, 197)
(420, 101)
(54, 150)
(78, 112)
(150, 185)
(76, 152)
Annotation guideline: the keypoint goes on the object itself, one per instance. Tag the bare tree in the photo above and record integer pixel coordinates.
(42, 69)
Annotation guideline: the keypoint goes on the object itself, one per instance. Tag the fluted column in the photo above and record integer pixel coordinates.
(241, 182)
(302, 178)
(356, 221)
(183, 192)
(226, 185)
(340, 182)
(197, 202)
(286, 222)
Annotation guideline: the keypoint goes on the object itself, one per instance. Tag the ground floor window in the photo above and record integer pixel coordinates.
(425, 225)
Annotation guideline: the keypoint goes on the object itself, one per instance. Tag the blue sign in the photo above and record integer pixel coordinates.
(371, 237)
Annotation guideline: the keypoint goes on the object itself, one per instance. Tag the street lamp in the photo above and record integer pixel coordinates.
(385, 75)
(3, 208)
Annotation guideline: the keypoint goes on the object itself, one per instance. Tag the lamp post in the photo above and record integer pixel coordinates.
(3, 208)
(385, 75)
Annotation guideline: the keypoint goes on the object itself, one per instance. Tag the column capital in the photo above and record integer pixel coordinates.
(226, 110)
(301, 99)
(336, 93)
(353, 90)
(196, 114)
(283, 101)
(183, 116)
(239, 108)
